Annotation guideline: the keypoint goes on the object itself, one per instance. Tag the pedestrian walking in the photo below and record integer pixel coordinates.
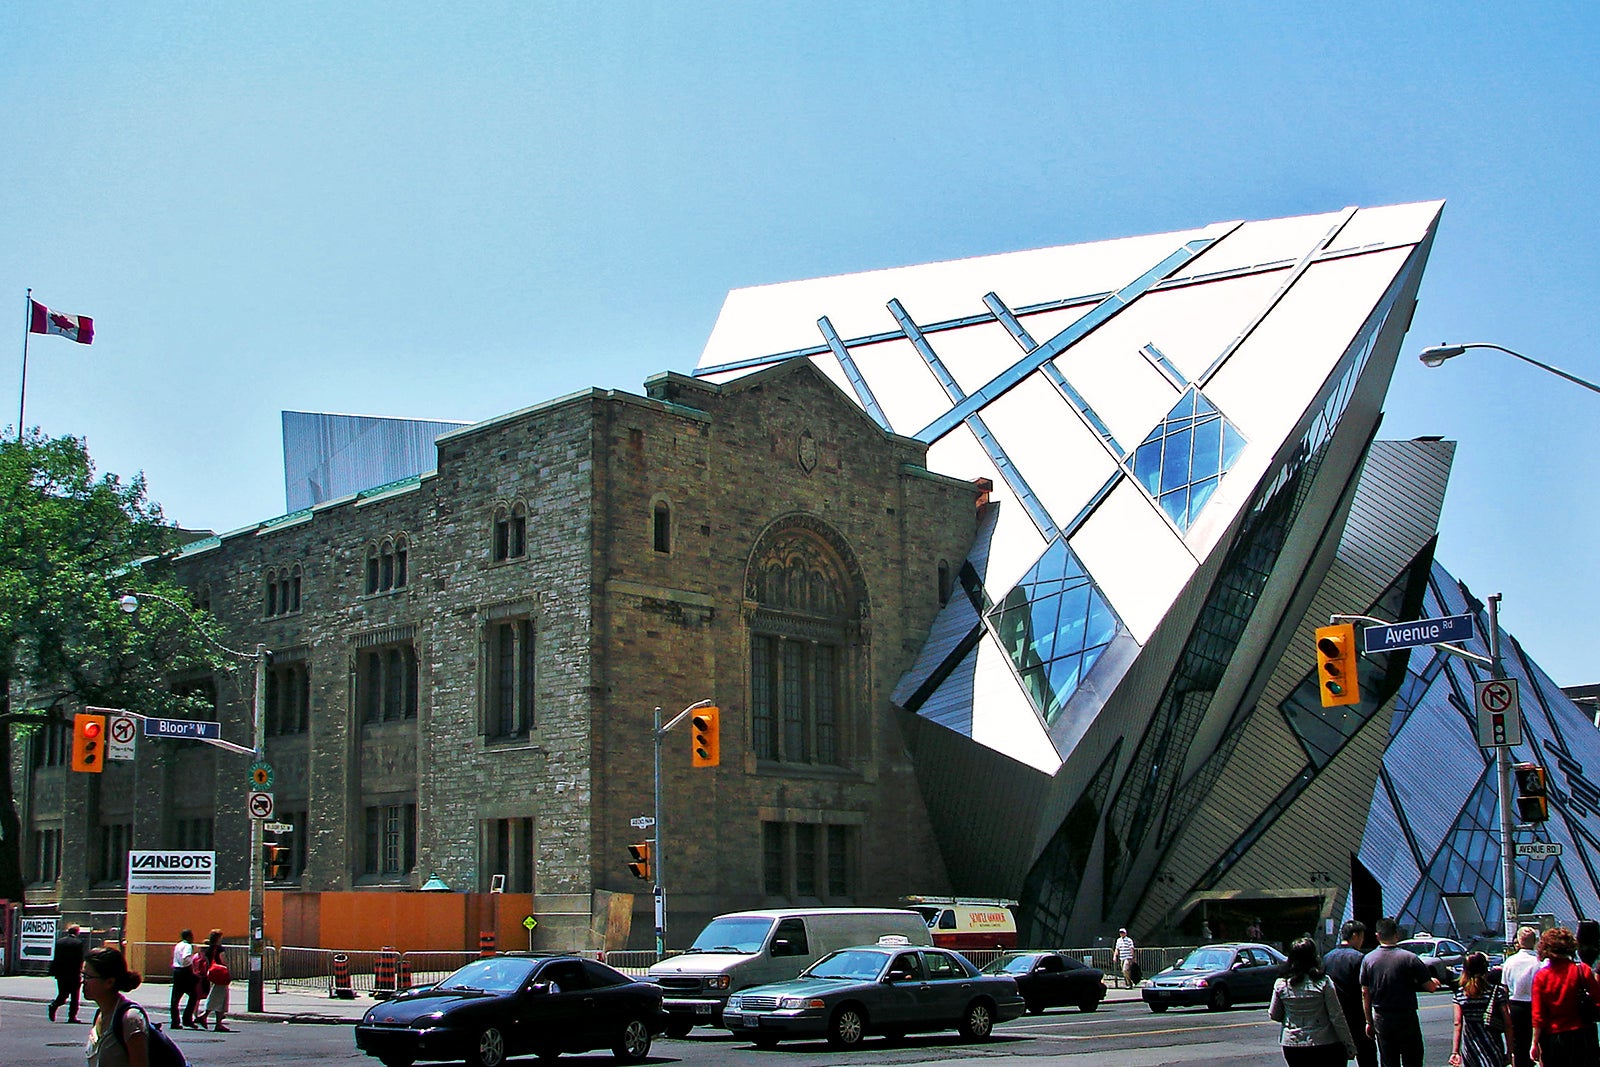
(1391, 978)
(1565, 1002)
(66, 967)
(1343, 965)
(1483, 1016)
(1306, 1002)
(1127, 958)
(217, 979)
(185, 983)
(1517, 974)
(105, 979)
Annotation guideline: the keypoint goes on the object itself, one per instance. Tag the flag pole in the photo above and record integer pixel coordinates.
(22, 393)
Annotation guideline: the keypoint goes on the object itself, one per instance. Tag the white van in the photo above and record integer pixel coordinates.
(749, 948)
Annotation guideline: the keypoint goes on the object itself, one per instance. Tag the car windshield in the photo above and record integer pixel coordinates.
(857, 964)
(1010, 965)
(496, 975)
(1421, 948)
(1207, 959)
(733, 933)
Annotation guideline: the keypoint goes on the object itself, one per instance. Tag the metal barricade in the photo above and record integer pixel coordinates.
(429, 967)
(632, 962)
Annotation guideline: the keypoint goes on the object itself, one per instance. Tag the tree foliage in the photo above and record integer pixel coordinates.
(71, 543)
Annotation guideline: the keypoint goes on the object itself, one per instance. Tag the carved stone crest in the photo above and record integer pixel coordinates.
(806, 454)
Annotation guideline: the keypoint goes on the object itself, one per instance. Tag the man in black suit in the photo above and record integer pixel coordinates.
(66, 968)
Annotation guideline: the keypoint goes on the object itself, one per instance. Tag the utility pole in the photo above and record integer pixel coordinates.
(1508, 845)
(255, 993)
(658, 851)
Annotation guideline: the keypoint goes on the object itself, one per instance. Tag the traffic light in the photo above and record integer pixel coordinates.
(640, 864)
(705, 728)
(1533, 803)
(88, 742)
(274, 860)
(1337, 670)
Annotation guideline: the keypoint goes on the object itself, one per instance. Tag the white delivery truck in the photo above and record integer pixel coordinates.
(749, 948)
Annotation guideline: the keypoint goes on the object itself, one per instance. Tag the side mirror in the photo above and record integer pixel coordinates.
(539, 988)
(897, 976)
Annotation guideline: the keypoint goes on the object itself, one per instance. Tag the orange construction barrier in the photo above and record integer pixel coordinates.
(486, 942)
(341, 978)
(383, 975)
(405, 974)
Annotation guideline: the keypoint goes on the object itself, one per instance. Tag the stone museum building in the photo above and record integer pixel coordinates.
(1002, 573)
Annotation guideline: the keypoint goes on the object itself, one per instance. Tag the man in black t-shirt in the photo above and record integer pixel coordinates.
(1391, 977)
(1343, 965)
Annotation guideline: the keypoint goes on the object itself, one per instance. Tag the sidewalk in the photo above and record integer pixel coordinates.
(289, 1006)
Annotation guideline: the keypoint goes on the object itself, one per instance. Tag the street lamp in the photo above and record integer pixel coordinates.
(1435, 357)
(255, 996)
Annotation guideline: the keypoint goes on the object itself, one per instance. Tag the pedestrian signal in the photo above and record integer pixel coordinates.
(1337, 669)
(274, 860)
(704, 729)
(88, 742)
(1533, 802)
(639, 864)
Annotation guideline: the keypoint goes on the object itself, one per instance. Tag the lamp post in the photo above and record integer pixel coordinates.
(660, 888)
(255, 994)
(1436, 357)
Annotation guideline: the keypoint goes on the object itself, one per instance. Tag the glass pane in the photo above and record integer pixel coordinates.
(1208, 448)
(1232, 445)
(1199, 493)
(1176, 505)
(1175, 461)
(1147, 466)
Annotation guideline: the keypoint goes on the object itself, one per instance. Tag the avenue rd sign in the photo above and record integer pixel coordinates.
(1399, 635)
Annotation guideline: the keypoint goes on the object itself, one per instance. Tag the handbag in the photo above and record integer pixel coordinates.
(1494, 1016)
(218, 974)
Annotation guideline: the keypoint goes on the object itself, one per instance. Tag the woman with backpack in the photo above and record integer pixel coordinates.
(121, 1035)
(217, 978)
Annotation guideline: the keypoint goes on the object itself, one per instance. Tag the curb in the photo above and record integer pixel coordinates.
(307, 1018)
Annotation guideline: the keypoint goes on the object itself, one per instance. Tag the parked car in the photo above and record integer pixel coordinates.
(1217, 976)
(1442, 955)
(513, 1005)
(1052, 980)
(890, 988)
(750, 948)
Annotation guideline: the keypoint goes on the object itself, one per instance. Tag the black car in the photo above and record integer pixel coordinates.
(889, 988)
(512, 1005)
(1051, 980)
(1216, 976)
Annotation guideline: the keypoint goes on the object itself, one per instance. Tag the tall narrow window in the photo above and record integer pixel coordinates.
(508, 850)
(661, 527)
(509, 678)
(805, 859)
(400, 563)
(391, 839)
(272, 593)
(372, 569)
(764, 732)
(774, 859)
(519, 530)
(387, 683)
(510, 532)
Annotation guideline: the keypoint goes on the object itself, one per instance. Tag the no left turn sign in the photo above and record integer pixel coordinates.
(261, 805)
(1499, 713)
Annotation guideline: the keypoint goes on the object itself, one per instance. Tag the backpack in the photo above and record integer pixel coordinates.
(162, 1050)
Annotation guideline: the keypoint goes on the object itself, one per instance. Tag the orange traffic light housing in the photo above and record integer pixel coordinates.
(1533, 799)
(274, 860)
(705, 729)
(1338, 671)
(88, 742)
(639, 857)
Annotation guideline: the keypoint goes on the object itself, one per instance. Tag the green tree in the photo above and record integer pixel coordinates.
(71, 543)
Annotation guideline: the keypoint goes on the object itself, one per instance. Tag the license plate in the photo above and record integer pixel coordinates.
(702, 1009)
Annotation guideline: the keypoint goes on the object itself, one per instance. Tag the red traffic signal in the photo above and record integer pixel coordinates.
(88, 742)
(705, 740)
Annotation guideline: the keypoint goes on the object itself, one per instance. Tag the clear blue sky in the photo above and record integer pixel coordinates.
(456, 210)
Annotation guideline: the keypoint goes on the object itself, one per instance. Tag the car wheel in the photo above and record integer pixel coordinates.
(679, 1027)
(847, 1027)
(634, 1043)
(977, 1023)
(1088, 1005)
(1157, 1007)
(764, 1042)
(490, 1048)
(1220, 999)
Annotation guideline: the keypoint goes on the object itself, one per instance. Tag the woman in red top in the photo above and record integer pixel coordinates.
(1562, 1034)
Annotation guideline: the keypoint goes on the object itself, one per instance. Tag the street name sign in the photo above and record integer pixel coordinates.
(278, 827)
(183, 728)
(642, 822)
(1399, 635)
(1540, 848)
(1499, 713)
(166, 871)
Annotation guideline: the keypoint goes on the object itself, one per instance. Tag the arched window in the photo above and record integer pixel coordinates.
(510, 532)
(661, 526)
(806, 641)
(944, 582)
(387, 565)
(372, 568)
(272, 593)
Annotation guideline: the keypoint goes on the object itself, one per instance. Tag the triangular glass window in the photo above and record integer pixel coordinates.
(1054, 624)
(1182, 459)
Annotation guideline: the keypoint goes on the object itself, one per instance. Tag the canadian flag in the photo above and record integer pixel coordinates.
(79, 328)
